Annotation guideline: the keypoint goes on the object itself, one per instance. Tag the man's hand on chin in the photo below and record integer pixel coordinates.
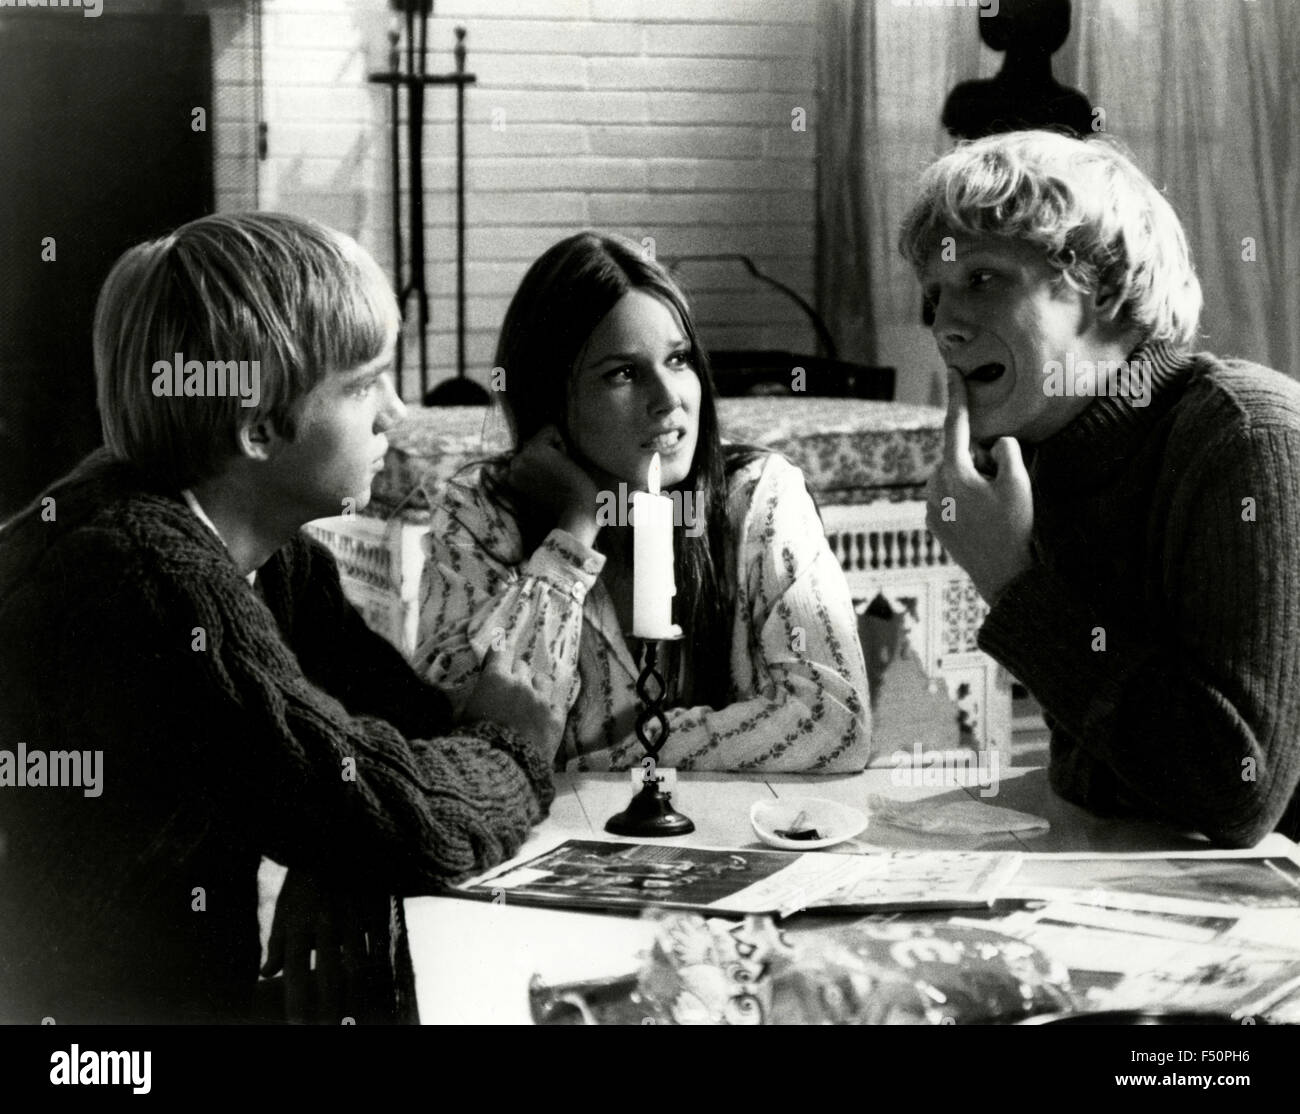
(980, 505)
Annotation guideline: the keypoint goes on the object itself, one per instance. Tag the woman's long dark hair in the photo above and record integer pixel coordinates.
(562, 298)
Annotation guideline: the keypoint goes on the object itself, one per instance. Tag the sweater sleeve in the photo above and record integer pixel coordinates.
(477, 595)
(1191, 715)
(341, 793)
(801, 684)
(340, 654)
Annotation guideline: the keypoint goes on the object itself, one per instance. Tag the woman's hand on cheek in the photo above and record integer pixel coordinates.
(544, 475)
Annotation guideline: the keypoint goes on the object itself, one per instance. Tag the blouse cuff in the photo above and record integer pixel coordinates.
(566, 564)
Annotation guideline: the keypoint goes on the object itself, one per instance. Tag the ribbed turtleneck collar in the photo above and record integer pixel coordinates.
(1105, 435)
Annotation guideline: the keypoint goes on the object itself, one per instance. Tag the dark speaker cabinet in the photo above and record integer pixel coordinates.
(97, 151)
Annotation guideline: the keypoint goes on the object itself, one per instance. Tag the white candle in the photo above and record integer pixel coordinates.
(653, 583)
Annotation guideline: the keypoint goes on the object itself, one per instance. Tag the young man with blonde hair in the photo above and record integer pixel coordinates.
(160, 610)
(1130, 510)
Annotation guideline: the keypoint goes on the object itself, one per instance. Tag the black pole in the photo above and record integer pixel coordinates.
(417, 203)
(459, 390)
(460, 204)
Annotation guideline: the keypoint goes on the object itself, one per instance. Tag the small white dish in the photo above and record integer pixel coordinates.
(833, 821)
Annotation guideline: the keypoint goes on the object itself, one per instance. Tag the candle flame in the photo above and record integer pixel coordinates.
(652, 479)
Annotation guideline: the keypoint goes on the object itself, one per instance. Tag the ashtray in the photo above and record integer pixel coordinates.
(805, 823)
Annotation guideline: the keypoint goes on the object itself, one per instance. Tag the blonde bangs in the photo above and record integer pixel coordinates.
(1098, 219)
(300, 299)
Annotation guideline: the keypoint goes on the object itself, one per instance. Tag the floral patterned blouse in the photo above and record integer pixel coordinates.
(799, 685)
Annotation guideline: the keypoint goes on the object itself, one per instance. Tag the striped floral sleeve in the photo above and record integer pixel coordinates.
(800, 683)
(477, 594)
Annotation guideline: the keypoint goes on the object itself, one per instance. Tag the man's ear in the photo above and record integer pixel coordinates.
(1105, 310)
(258, 438)
(1105, 301)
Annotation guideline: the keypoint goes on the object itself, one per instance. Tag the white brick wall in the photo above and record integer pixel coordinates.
(661, 118)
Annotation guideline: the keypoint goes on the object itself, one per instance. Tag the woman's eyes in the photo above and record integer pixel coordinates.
(979, 278)
(627, 372)
(363, 388)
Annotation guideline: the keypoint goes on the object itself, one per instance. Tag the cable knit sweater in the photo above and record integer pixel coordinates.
(1160, 623)
(234, 721)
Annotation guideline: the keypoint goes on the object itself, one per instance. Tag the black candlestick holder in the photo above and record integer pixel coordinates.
(651, 811)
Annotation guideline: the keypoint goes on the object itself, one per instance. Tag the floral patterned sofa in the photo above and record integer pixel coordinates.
(866, 464)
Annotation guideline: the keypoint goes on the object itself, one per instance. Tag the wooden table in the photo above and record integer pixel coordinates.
(472, 961)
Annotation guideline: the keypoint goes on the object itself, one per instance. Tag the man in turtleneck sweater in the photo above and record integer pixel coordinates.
(1130, 511)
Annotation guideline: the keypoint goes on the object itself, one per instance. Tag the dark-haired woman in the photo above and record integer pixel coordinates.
(531, 556)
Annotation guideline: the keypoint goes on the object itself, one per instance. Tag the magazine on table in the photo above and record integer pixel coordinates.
(1211, 932)
(599, 874)
(1205, 885)
(920, 880)
(1136, 959)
